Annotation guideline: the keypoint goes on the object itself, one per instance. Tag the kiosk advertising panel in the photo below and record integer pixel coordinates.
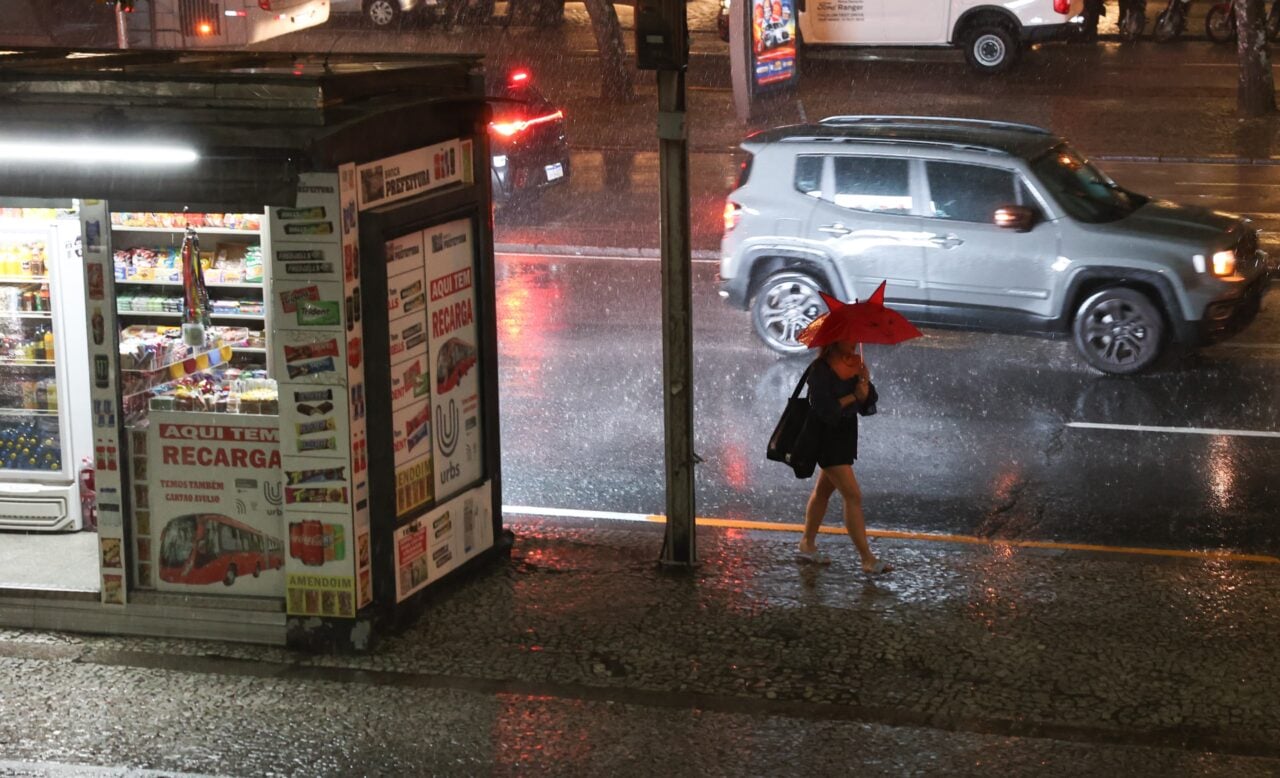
(314, 323)
(445, 537)
(410, 403)
(215, 493)
(455, 388)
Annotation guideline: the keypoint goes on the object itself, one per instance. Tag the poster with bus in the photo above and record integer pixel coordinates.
(453, 356)
(216, 504)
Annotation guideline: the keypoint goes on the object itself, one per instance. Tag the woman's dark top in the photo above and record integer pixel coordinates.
(835, 428)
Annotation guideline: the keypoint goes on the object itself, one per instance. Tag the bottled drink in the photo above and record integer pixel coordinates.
(42, 396)
(37, 345)
(48, 344)
(44, 298)
(51, 395)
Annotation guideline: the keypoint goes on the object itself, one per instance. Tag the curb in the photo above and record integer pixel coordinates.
(612, 252)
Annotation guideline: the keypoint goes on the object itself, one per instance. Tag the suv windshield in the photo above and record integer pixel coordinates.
(1083, 191)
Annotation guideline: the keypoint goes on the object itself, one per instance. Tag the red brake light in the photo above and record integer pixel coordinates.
(508, 128)
(518, 77)
(1061, 6)
(264, 5)
(732, 213)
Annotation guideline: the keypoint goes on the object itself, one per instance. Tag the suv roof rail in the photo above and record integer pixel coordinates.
(888, 119)
(950, 144)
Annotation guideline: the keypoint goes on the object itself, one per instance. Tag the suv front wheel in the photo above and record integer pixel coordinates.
(1119, 331)
(784, 305)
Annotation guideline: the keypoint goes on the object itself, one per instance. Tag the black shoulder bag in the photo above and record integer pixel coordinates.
(784, 443)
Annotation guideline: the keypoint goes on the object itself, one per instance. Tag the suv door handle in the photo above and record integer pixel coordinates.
(837, 229)
(946, 241)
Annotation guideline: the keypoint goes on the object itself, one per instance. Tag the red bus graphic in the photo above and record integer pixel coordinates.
(205, 548)
(456, 357)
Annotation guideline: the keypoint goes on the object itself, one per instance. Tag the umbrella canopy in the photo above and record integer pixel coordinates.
(865, 322)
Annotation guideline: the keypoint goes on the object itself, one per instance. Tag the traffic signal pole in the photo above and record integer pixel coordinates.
(679, 546)
(662, 44)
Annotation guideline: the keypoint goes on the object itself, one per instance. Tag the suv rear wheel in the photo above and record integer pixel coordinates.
(784, 305)
(1119, 331)
(990, 48)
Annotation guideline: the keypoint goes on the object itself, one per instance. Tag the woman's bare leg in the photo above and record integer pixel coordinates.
(854, 521)
(816, 508)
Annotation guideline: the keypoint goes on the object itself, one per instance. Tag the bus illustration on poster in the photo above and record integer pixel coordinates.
(216, 503)
(455, 388)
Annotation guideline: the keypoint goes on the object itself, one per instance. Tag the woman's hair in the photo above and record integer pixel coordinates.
(831, 347)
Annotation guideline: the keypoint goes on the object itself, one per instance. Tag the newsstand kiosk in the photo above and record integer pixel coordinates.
(286, 279)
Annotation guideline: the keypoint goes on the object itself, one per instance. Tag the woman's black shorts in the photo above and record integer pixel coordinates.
(839, 444)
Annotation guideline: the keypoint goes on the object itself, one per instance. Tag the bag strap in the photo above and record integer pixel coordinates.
(795, 395)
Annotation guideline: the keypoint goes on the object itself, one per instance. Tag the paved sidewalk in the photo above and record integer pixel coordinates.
(580, 655)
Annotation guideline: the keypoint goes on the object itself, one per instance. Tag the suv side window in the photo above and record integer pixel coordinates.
(969, 193)
(809, 175)
(875, 184)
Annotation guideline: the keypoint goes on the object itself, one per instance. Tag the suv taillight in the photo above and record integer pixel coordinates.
(732, 213)
(1061, 6)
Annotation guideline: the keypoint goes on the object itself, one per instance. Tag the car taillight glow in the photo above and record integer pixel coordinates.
(204, 28)
(264, 5)
(1061, 6)
(518, 76)
(732, 213)
(514, 127)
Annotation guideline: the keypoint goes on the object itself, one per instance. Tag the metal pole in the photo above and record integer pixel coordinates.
(122, 29)
(678, 547)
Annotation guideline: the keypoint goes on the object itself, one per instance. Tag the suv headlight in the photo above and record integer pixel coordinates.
(1223, 263)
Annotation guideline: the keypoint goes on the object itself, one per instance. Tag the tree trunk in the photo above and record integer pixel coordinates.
(616, 82)
(1257, 92)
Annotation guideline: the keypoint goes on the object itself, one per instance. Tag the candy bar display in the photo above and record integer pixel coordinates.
(230, 264)
(227, 391)
(249, 222)
(147, 348)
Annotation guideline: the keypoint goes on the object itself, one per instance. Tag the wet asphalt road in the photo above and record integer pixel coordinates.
(973, 434)
(971, 438)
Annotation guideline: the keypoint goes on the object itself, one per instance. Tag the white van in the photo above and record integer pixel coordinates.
(991, 32)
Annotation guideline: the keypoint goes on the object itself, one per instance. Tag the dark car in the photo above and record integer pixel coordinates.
(527, 137)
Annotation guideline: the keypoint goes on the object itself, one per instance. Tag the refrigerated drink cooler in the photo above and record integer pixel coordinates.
(44, 434)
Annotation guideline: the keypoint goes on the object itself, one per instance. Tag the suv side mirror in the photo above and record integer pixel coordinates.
(1015, 217)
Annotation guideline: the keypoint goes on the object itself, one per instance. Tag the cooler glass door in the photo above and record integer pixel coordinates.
(36, 481)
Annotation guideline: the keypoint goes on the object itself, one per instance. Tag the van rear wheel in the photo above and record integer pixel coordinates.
(1119, 331)
(990, 48)
(783, 306)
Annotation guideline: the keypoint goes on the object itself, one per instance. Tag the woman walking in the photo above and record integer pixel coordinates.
(840, 390)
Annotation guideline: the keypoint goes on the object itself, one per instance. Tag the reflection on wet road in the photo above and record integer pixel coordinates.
(972, 438)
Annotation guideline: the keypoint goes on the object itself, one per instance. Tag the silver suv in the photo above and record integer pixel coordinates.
(983, 226)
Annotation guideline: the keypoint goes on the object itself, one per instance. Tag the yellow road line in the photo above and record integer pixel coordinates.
(773, 526)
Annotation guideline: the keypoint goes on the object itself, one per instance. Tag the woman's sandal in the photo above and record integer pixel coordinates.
(880, 567)
(813, 557)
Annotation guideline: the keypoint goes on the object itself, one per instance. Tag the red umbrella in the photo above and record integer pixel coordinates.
(866, 322)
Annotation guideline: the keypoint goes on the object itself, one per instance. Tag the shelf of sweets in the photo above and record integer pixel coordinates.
(151, 349)
(229, 391)
(227, 264)
(167, 221)
(177, 315)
